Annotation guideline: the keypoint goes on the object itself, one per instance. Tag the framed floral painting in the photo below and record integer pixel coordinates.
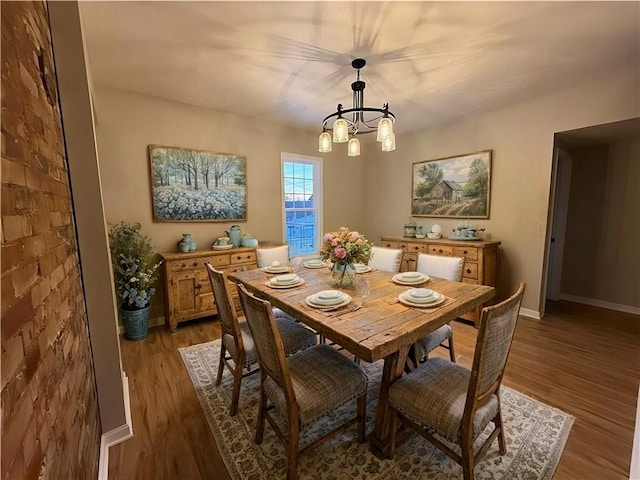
(189, 185)
(452, 187)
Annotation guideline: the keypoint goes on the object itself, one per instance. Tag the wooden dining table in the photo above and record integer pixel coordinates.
(382, 328)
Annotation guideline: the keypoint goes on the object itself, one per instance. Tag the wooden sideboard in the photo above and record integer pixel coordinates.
(188, 292)
(480, 264)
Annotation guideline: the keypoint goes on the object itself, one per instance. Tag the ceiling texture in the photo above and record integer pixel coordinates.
(290, 62)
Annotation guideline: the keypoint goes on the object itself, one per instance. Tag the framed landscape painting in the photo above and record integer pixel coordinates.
(452, 187)
(191, 185)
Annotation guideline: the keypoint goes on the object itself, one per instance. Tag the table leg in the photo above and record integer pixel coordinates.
(393, 369)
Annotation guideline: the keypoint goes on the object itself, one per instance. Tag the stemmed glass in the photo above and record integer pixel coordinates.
(363, 288)
(296, 263)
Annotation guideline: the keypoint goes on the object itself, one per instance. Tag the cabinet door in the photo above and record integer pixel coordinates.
(185, 290)
(191, 296)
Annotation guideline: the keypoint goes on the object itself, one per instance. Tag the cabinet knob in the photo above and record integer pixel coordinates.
(184, 265)
(440, 251)
(468, 270)
(465, 252)
(195, 264)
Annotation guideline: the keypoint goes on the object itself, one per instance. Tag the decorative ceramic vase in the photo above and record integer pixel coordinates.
(235, 235)
(136, 323)
(344, 274)
(184, 245)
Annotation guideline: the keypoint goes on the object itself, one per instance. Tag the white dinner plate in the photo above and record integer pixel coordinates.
(422, 295)
(284, 279)
(283, 269)
(221, 247)
(362, 268)
(273, 284)
(404, 300)
(314, 264)
(398, 278)
(310, 301)
(328, 297)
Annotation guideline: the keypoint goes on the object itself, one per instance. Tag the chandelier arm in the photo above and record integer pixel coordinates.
(341, 112)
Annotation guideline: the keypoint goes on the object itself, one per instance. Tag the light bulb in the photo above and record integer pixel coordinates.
(385, 129)
(324, 142)
(353, 147)
(389, 143)
(340, 131)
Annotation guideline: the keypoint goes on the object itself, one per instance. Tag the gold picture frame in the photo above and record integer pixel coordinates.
(190, 185)
(452, 187)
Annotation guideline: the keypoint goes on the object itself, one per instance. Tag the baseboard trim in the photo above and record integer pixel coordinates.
(117, 435)
(153, 322)
(601, 303)
(525, 312)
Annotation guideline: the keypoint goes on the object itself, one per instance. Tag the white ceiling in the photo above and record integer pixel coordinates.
(290, 62)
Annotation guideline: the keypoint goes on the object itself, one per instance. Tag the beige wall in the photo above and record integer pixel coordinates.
(127, 123)
(370, 193)
(601, 253)
(521, 137)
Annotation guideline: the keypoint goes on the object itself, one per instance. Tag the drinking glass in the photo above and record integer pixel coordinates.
(296, 263)
(363, 288)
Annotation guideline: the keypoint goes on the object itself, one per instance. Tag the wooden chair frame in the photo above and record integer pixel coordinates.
(476, 398)
(283, 380)
(229, 325)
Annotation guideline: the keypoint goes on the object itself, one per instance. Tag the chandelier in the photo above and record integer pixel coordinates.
(359, 119)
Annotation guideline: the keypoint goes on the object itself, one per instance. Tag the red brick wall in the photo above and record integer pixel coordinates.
(50, 423)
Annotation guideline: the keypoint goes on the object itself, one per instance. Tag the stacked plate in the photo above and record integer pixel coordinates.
(410, 278)
(361, 268)
(328, 299)
(421, 297)
(285, 281)
(314, 263)
(277, 267)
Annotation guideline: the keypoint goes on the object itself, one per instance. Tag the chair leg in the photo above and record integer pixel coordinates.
(235, 395)
(362, 417)
(220, 366)
(262, 411)
(467, 459)
(452, 351)
(293, 453)
(237, 379)
(498, 423)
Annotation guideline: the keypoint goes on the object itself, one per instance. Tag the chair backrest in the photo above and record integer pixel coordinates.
(386, 259)
(224, 304)
(449, 268)
(495, 335)
(267, 339)
(268, 255)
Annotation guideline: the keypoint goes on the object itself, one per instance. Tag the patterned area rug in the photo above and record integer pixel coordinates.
(535, 436)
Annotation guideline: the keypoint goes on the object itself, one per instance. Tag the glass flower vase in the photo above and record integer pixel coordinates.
(344, 274)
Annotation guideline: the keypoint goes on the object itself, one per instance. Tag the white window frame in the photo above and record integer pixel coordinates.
(316, 163)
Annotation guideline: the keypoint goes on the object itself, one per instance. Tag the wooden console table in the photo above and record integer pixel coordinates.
(480, 264)
(188, 292)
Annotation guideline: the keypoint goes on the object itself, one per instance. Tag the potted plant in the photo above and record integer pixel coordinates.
(134, 276)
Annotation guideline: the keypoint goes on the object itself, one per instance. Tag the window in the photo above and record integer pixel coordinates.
(302, 201)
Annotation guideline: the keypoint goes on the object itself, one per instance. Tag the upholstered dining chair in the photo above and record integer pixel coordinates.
(268, 255)
(237, 351)
(386, 259)
(449, 268)
(304, 387)
(455, 403)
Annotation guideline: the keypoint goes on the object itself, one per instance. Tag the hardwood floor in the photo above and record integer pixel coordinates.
(581, 359)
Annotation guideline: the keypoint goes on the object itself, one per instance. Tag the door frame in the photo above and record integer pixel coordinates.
(556, 225)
